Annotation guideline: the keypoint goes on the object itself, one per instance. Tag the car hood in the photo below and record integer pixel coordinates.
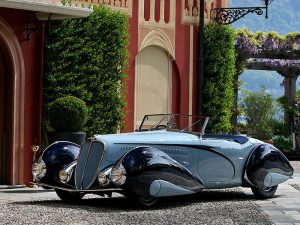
(153, 137)
(119, 144)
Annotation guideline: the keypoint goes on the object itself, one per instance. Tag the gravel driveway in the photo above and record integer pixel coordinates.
(229, 206)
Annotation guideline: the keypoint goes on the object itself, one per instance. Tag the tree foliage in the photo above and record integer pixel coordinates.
(259, 110)
(87, 58)
(218, 76)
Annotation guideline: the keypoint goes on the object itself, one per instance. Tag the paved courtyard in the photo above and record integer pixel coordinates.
(284, 209)
(230, 206)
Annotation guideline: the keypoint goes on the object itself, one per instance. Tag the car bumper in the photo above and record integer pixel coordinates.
(75, 190)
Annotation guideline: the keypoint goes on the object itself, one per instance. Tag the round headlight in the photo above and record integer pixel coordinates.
(118, 175)
(39, 169)
(63, 176)
(102, 179)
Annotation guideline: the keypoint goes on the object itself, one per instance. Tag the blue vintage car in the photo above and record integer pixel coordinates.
(161, 159)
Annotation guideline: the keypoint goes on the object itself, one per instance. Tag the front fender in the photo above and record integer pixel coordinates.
(152, 173)
(57, 156)
(266, 167)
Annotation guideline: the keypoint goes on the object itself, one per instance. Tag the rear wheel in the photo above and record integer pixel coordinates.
(264, 193)
(70, 197)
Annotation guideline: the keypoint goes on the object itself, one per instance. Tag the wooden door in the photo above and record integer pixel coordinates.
(2, 176)
(3, 119)
(2, 152)
(153, 84)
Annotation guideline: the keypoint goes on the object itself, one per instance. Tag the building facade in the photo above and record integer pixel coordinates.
(162, 67)
(21, 71)
(163, 55)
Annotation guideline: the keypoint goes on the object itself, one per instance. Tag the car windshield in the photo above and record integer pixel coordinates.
(175, 122)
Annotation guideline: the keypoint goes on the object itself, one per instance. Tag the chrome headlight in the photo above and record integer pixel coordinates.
(64, 176)
(39, 169)
(66, 173)
(118, 175)
(103, 179)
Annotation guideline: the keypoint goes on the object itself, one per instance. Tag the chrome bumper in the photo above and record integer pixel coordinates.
(75, 190)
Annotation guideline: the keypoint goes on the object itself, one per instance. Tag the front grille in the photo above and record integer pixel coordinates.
(88, 162)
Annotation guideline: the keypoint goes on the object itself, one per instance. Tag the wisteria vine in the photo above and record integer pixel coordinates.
(250, 45)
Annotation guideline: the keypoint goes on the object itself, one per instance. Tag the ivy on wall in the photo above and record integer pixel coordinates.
(219, 71)
(87, 58)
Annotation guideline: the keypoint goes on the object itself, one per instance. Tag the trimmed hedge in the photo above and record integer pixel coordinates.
(219, 71)
(87, 58)
(68, 114)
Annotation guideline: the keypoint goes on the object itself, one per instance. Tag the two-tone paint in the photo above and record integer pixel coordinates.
(165, 163)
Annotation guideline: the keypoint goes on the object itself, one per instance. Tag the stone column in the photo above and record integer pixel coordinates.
(152, 11)
(162, 12)
(289, 94)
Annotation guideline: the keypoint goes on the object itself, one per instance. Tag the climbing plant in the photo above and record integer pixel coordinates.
(218, 80)
(277, 51)
(266, 50)
(87, 58)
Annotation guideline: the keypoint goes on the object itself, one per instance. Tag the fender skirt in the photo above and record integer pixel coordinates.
(266, 167)
(152, 173)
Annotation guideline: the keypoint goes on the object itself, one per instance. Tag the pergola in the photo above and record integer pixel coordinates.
(272, 52)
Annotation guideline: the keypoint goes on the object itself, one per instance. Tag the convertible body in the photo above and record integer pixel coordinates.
(161, 161)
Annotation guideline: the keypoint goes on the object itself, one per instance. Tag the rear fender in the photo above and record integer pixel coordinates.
(152, 173)
(266, 167)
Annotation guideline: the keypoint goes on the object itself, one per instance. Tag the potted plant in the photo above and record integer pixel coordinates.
(67, 116)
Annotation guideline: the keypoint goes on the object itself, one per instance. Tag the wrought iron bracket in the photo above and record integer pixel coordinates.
(230, 15)
(31, 26)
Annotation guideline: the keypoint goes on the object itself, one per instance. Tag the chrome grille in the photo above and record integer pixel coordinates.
(88, 162)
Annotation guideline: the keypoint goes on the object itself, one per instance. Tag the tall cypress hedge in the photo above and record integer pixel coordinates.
(87, 58)
(219, 71)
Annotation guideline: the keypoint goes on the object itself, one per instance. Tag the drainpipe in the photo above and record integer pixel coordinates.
(201, 58)
(40, 85)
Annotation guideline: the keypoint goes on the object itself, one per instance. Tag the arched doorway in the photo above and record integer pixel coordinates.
(5, 118)
(153, 83)
(12, 84)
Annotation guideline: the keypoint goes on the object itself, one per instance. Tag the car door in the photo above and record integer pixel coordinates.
(215, 165)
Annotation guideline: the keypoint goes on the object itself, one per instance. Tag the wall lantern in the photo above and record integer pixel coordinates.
(31, 25)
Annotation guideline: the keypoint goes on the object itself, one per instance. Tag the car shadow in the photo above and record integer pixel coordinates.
(26, 191)
(122, 203)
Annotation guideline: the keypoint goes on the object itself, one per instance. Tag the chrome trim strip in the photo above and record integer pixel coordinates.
(69, 169)
(76, 190)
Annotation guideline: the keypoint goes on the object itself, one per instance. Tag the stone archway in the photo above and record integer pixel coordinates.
(12, 53)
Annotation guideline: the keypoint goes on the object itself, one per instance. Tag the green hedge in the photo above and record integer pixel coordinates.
(219, 71)
(87, 58)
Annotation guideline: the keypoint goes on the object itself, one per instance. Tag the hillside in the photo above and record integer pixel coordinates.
(284, 17)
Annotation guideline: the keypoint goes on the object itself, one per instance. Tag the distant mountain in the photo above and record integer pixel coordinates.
(284, 17)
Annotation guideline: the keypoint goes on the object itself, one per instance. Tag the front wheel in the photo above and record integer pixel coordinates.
(147, 202)
(141, 201)
(264, 193)
(70, 197)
